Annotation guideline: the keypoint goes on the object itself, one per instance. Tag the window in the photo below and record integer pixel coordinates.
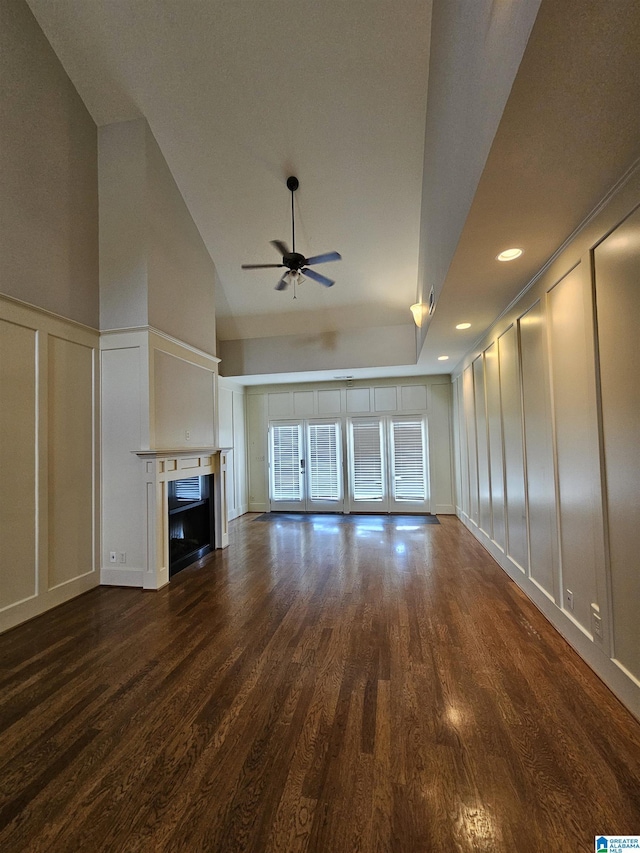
(324, 476)
(286, 483)
(367, 460)
(188, 489)
(409, 480)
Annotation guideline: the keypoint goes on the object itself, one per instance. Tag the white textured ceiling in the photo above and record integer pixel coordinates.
(242, 93)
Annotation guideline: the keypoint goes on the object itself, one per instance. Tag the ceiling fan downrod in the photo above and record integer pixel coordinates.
(292, 184)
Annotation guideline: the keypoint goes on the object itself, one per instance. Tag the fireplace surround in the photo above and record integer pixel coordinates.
(161, 467)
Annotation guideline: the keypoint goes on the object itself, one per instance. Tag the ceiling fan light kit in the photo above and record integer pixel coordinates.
(297, 265)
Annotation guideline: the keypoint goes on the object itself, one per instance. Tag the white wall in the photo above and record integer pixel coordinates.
(48, 176)
(548, 437)
(154, 268)
(352, 348)
(123, 255)
(416, 394)
(232, 433)
(181, 273)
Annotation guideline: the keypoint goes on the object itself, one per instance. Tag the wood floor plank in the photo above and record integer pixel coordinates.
(313, 688)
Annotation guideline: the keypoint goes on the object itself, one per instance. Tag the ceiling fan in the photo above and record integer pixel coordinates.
(297, 265)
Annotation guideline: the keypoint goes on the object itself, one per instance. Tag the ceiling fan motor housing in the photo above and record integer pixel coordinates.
(294, 260)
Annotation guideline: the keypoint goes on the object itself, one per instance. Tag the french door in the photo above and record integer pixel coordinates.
(386, 467)
(305, 466)
(388, 464)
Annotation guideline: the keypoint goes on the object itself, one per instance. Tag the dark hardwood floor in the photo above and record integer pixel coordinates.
(316, 687)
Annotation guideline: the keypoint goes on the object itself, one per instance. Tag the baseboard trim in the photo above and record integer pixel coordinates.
(238, 512)
(121, 577)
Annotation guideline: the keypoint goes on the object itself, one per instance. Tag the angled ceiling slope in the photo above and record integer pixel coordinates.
(235, 109)
(569, 132)
(239, 96)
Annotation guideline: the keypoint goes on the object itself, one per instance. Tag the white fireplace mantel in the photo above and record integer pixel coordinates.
(160, 467)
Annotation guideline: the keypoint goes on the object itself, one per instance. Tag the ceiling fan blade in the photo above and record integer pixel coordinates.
(280, 246)
(322, 259)
(283, 284)
(322, 279)
(260, 266)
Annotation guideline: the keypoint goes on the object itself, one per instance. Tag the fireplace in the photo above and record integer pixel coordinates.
(191, 527)
(177, 515)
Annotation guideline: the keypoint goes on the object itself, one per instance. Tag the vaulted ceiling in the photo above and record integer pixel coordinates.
(425, 140)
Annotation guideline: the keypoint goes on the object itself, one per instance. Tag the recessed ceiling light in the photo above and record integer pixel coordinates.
(443, 358)
(509, 255)
(463, 326)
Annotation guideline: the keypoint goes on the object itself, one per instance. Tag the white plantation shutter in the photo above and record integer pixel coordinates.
(188, 489)
(285, 462)
(408, 471)
(367, 473)
(324, 476)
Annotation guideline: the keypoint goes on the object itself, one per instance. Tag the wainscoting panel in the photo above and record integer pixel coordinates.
(494, 420)
(513, 450)
(49, 512)
(472, 444)
(413, 398)
(385, 399)
(543, 540)
(122, 431)
(71, 444)
(330, 402)
(484, 482)
(303, 404)
(18, 432)
(617, 275)
(577, 450)
(184, 402)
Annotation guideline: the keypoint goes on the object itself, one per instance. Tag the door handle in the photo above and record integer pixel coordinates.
(302, 464)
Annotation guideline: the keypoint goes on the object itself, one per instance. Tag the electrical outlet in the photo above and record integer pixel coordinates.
(569, 599)
(123, 557)
(187, 434)
(112, 557)
(596, 622)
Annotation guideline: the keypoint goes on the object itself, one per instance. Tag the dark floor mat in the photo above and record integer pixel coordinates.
(354, 518)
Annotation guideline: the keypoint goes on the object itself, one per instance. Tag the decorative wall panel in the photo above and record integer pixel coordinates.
(472, 447)
(577, 450)
(513, 451)
(543, 540)
(484, 482)
(71, 486)
(18, 454)
(617, 277)
(496, 458)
